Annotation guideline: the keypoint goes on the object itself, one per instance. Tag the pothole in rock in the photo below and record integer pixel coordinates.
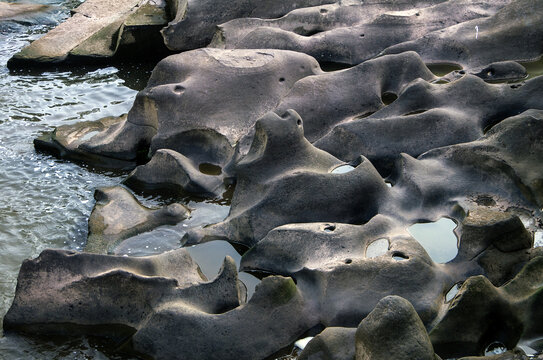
(495, 348)
(88, 135)
(533, 68)
(442, 69)
(210, 257)
(378, 247)
(165, 238)
(342, 169)
(437, 238)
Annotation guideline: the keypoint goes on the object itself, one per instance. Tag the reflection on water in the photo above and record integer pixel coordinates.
(437, 238)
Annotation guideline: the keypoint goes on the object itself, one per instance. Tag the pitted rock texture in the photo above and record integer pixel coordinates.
(351, 34)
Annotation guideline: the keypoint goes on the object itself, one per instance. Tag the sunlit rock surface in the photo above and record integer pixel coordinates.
(328, 170)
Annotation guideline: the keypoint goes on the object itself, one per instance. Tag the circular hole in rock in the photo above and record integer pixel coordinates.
(329, 228)
(437, 238)
(209, 169)
(299, 122)
(281, 79)
(323, 11)
(342, 169)
(378, 247)
(495, 348)
(178, 89)
(398, 256)
(348, 261)
(388, 98)
(362, 35)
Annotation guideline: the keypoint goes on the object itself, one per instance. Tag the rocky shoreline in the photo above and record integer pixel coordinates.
(324, 172)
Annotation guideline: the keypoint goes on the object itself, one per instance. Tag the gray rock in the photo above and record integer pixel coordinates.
(199, 103)
(479, 42)
(354, 34)
(170, 171)
(279, 174)
(117, 215)
(481, 314)
(194, 23)
(427, 116)
(393, 330)
(333, 343)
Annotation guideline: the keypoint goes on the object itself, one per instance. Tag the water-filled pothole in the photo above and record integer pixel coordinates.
(533, 68)
(378, 247)
(442, 69)
(210, 257)
(342, 169)
(437, 238)
(495, 348)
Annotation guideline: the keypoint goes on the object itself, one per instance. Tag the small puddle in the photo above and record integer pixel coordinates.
(210, 257)
(442, 69)
(377, 248)
(437, 238)
(534, 68)
(453, 292)
(88, 135)
(342, 169)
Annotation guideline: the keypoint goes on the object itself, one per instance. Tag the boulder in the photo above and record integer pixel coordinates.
(333, 343)
(393, 330)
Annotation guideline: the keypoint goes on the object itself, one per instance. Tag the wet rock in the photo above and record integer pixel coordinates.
(351, 34)
(333, 343)
(476, 43)
(170, 171)
(279, 174)
(117, 215)
(69, 142)
(199, 103)
(242, 333)
(67, 293)
(427, 116)
(10, 11)
(481, 314)
(97, 30)
(195, 21)
(393, 330)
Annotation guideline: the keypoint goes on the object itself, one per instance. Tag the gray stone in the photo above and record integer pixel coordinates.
(393, 330)
(352, 34)
(333, 343)
(510, 34)
(194, 21)
(117, 215)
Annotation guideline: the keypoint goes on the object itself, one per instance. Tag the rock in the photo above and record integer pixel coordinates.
(481, 314)
(242, 333)
(279, 174)
(351, 34)
(393, 330)
(66, 141)
(9, 11)
(333, 343)
(427, 116)
(170, 171)
(194, 23)
(97, 30)
(326, 100)
(117, 215)
(65, 292)
(476, 43)
(173, 112)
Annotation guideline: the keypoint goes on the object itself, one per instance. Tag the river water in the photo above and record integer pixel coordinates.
(44, 202)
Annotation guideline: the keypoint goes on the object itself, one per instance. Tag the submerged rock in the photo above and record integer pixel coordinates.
(117, 215)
